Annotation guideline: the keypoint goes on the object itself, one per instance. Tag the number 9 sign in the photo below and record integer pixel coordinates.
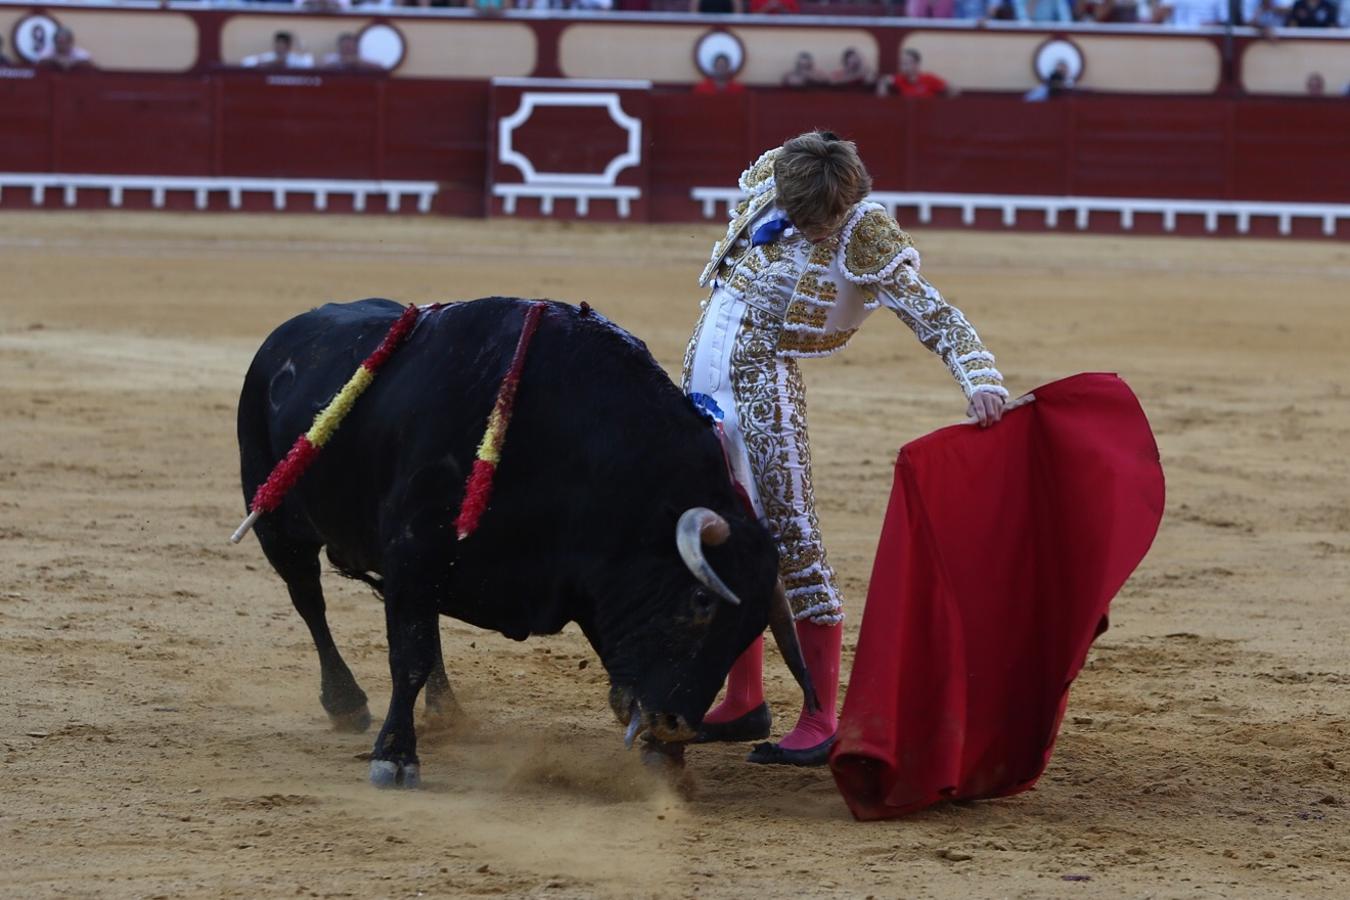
(32, 37)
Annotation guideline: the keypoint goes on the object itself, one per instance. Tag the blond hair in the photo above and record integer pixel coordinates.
(818, 178)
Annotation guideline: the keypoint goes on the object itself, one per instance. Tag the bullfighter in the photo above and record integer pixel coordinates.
(806, 258)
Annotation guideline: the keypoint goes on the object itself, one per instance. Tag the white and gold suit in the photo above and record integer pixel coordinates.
(790, 298)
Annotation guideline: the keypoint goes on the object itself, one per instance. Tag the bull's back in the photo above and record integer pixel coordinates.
(595, 415)
(306, 359)
(410, 437)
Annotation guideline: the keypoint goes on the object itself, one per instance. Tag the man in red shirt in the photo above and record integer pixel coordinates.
(911, 82)
(722, 80)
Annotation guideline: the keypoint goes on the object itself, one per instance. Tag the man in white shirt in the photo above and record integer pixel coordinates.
(281, 56)
(1195, 13)
(63, 53)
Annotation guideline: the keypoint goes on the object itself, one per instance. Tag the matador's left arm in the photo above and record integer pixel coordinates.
(881, 259)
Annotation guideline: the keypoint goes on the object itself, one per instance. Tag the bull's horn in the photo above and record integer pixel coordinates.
(699, 526)
(785, 635)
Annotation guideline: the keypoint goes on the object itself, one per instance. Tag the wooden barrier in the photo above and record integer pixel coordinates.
(376, 131)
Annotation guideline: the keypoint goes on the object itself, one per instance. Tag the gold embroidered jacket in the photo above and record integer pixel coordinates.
(869, 263)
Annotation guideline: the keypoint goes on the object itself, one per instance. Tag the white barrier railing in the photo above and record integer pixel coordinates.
(546, 195)
(202, 187)
(1082, 208)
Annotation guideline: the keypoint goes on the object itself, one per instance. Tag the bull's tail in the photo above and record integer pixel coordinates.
(255, 443)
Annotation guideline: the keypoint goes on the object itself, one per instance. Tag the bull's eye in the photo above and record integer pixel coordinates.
(704, 604)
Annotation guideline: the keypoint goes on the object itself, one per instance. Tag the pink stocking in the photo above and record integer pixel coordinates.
(745, 686)
(820, 646)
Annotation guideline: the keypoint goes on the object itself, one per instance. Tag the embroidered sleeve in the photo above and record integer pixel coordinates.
(943, 329)
(881, 258)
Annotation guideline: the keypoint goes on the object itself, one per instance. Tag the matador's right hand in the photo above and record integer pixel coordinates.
(986, 407)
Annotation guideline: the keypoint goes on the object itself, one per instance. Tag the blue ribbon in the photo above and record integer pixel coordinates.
(707, 407)
(770, 231)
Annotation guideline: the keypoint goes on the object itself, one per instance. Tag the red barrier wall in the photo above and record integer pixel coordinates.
(355, 126)
(26, 123)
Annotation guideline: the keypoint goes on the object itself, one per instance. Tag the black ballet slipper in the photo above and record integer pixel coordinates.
(768, 754)
(753, 726)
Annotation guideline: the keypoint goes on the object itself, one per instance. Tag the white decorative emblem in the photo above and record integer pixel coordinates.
(1055, 51)
(381, 44)
(530, 101)
(719, 43)
(583, 187)
(33, 35)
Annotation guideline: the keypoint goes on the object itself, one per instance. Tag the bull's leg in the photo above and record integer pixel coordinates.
(412, 620)
(298, 565)
(441, 703)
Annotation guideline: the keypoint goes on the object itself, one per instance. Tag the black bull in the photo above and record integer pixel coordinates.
(605, 460)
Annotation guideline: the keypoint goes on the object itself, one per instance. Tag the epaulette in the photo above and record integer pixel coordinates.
(875, 246)
(759, 177)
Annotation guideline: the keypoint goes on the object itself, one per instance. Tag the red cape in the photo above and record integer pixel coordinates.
(1000, 552)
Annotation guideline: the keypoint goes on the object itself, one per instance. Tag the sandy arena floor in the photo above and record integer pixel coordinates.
(161, 731)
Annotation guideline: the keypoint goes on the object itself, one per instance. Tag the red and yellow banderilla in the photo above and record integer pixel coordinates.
(477, 487)
(287, 472)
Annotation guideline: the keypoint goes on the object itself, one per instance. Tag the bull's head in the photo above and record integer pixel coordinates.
(713, 596)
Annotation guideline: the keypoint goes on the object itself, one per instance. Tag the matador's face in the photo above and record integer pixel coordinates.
(821, 232)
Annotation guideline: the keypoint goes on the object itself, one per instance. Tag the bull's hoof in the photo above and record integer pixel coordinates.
(353, 721)
(385, 773)
(661, 756)
(445, 713)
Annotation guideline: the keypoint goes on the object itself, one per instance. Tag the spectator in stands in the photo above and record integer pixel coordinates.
(1267, 15)
(853, 71)
(912, 81)
(1059, 83)
(64, 54)
(347, 56)
(998, 10)
(1117, 11)
(1313, 14)
(716, 6)
(775, 7)
(281, 56)
(804, 73)
(490, 7)
(979, 11)
(722, 80)
(1193, 13)
(930, 9)
(4, 60)
(1316, 85)
(1046, 11)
